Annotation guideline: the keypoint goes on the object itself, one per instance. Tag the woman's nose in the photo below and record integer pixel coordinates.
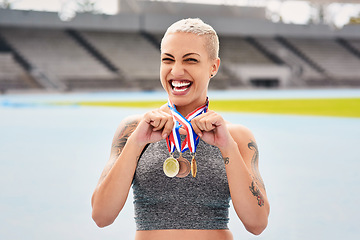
(177, 70)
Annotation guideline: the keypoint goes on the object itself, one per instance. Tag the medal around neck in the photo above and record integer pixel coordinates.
(184, 167)
(191, 141)
(193, 166)
(171, 167)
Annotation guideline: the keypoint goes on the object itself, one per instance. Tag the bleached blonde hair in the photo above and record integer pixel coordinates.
(198, 27)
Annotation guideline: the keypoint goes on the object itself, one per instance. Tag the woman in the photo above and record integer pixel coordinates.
(171, 203)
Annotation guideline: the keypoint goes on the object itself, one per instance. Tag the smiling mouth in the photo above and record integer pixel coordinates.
(180, 85)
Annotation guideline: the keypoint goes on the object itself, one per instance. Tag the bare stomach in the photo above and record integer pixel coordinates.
(188, 234)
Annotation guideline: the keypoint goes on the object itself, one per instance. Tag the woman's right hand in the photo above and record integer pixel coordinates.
(154, 126)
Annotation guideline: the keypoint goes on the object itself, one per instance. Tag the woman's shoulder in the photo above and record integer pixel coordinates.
(131, 119)
(241, 134)
(128, 123)
(245, 140)
(238, 129)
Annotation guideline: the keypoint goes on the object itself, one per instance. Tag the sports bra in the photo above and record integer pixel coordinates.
(161, 202)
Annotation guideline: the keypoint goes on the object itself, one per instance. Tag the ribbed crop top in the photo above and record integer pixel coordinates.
(161, 202)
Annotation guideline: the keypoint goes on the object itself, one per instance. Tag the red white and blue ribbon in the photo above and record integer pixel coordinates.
(192, 139)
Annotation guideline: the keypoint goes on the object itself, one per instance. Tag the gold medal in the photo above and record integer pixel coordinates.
(193, 166)
(184, 167)
(171, 167)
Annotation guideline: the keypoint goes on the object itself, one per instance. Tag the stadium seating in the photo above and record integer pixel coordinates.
(237, 50)
(56, 54)
(136, 57)
(355, 43)
(299, 67)
(335, 59)
(12, 76)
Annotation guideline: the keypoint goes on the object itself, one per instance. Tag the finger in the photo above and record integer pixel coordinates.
(214, 121)
(210, 124)
(208, 121)
(196, 128)
(165, 123)
(162, 123)
(155, 122)
(169, 125)
(147, 117)
(153, 118)
(161, 120)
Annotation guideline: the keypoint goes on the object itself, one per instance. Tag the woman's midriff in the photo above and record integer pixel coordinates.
(180, 234)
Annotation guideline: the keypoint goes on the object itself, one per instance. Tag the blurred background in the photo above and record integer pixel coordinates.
(77, 45)
(68, 51)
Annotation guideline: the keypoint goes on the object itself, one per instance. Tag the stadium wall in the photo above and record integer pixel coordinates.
(157, 23)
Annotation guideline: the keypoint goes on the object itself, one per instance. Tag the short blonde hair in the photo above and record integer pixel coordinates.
(198, 27)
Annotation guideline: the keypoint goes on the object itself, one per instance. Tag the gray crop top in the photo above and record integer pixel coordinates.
(181, 203)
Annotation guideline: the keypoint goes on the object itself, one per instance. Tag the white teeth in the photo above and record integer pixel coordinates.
(179, 83)
(180, 90)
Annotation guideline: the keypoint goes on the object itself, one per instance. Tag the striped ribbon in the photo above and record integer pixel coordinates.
(192, 139)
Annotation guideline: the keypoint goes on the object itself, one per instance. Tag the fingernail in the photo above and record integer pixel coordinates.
(164, 135)
(200, 134)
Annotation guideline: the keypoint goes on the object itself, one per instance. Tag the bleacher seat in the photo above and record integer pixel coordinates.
(12, 76)
(299, 66)
(236, 50)
(335, 59)
(55, 54)
(130, 52)
(355, 43)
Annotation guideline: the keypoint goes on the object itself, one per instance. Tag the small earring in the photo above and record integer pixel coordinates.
(212, 75)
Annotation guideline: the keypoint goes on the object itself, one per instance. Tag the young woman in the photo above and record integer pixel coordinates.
(152, 153)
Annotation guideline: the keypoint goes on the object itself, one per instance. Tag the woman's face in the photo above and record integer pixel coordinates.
(186, 68)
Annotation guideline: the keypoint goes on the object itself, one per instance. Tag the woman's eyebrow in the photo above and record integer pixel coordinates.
(188, 54)
(169, 55)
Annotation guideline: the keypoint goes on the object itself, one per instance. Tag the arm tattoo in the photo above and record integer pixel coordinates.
(254, 163)
(119, 143)
(256, 192)
(226, 160)
(118, 146)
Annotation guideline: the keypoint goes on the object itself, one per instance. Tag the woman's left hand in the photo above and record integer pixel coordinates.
(211, 127)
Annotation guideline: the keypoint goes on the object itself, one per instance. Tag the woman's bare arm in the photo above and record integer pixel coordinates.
(239, 151)
(132, 136)
(114, 184)
(247, 188)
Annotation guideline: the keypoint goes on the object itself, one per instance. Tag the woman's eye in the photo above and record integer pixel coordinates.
(167, 60)
(192, 60)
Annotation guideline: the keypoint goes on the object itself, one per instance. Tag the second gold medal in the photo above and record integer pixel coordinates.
(193, 166)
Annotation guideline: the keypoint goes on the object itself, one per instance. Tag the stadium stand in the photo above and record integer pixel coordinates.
(337, 61)
(352, 45)
(299, 66)
(355, 44)
(237, 50)
(237, 53)
(97, 52)
(55, 54)
(137, 58)
(12, 76)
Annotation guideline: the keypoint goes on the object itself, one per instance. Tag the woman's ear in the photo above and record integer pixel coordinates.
(215, 67)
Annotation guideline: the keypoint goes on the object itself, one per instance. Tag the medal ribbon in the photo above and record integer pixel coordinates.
(192, 139)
